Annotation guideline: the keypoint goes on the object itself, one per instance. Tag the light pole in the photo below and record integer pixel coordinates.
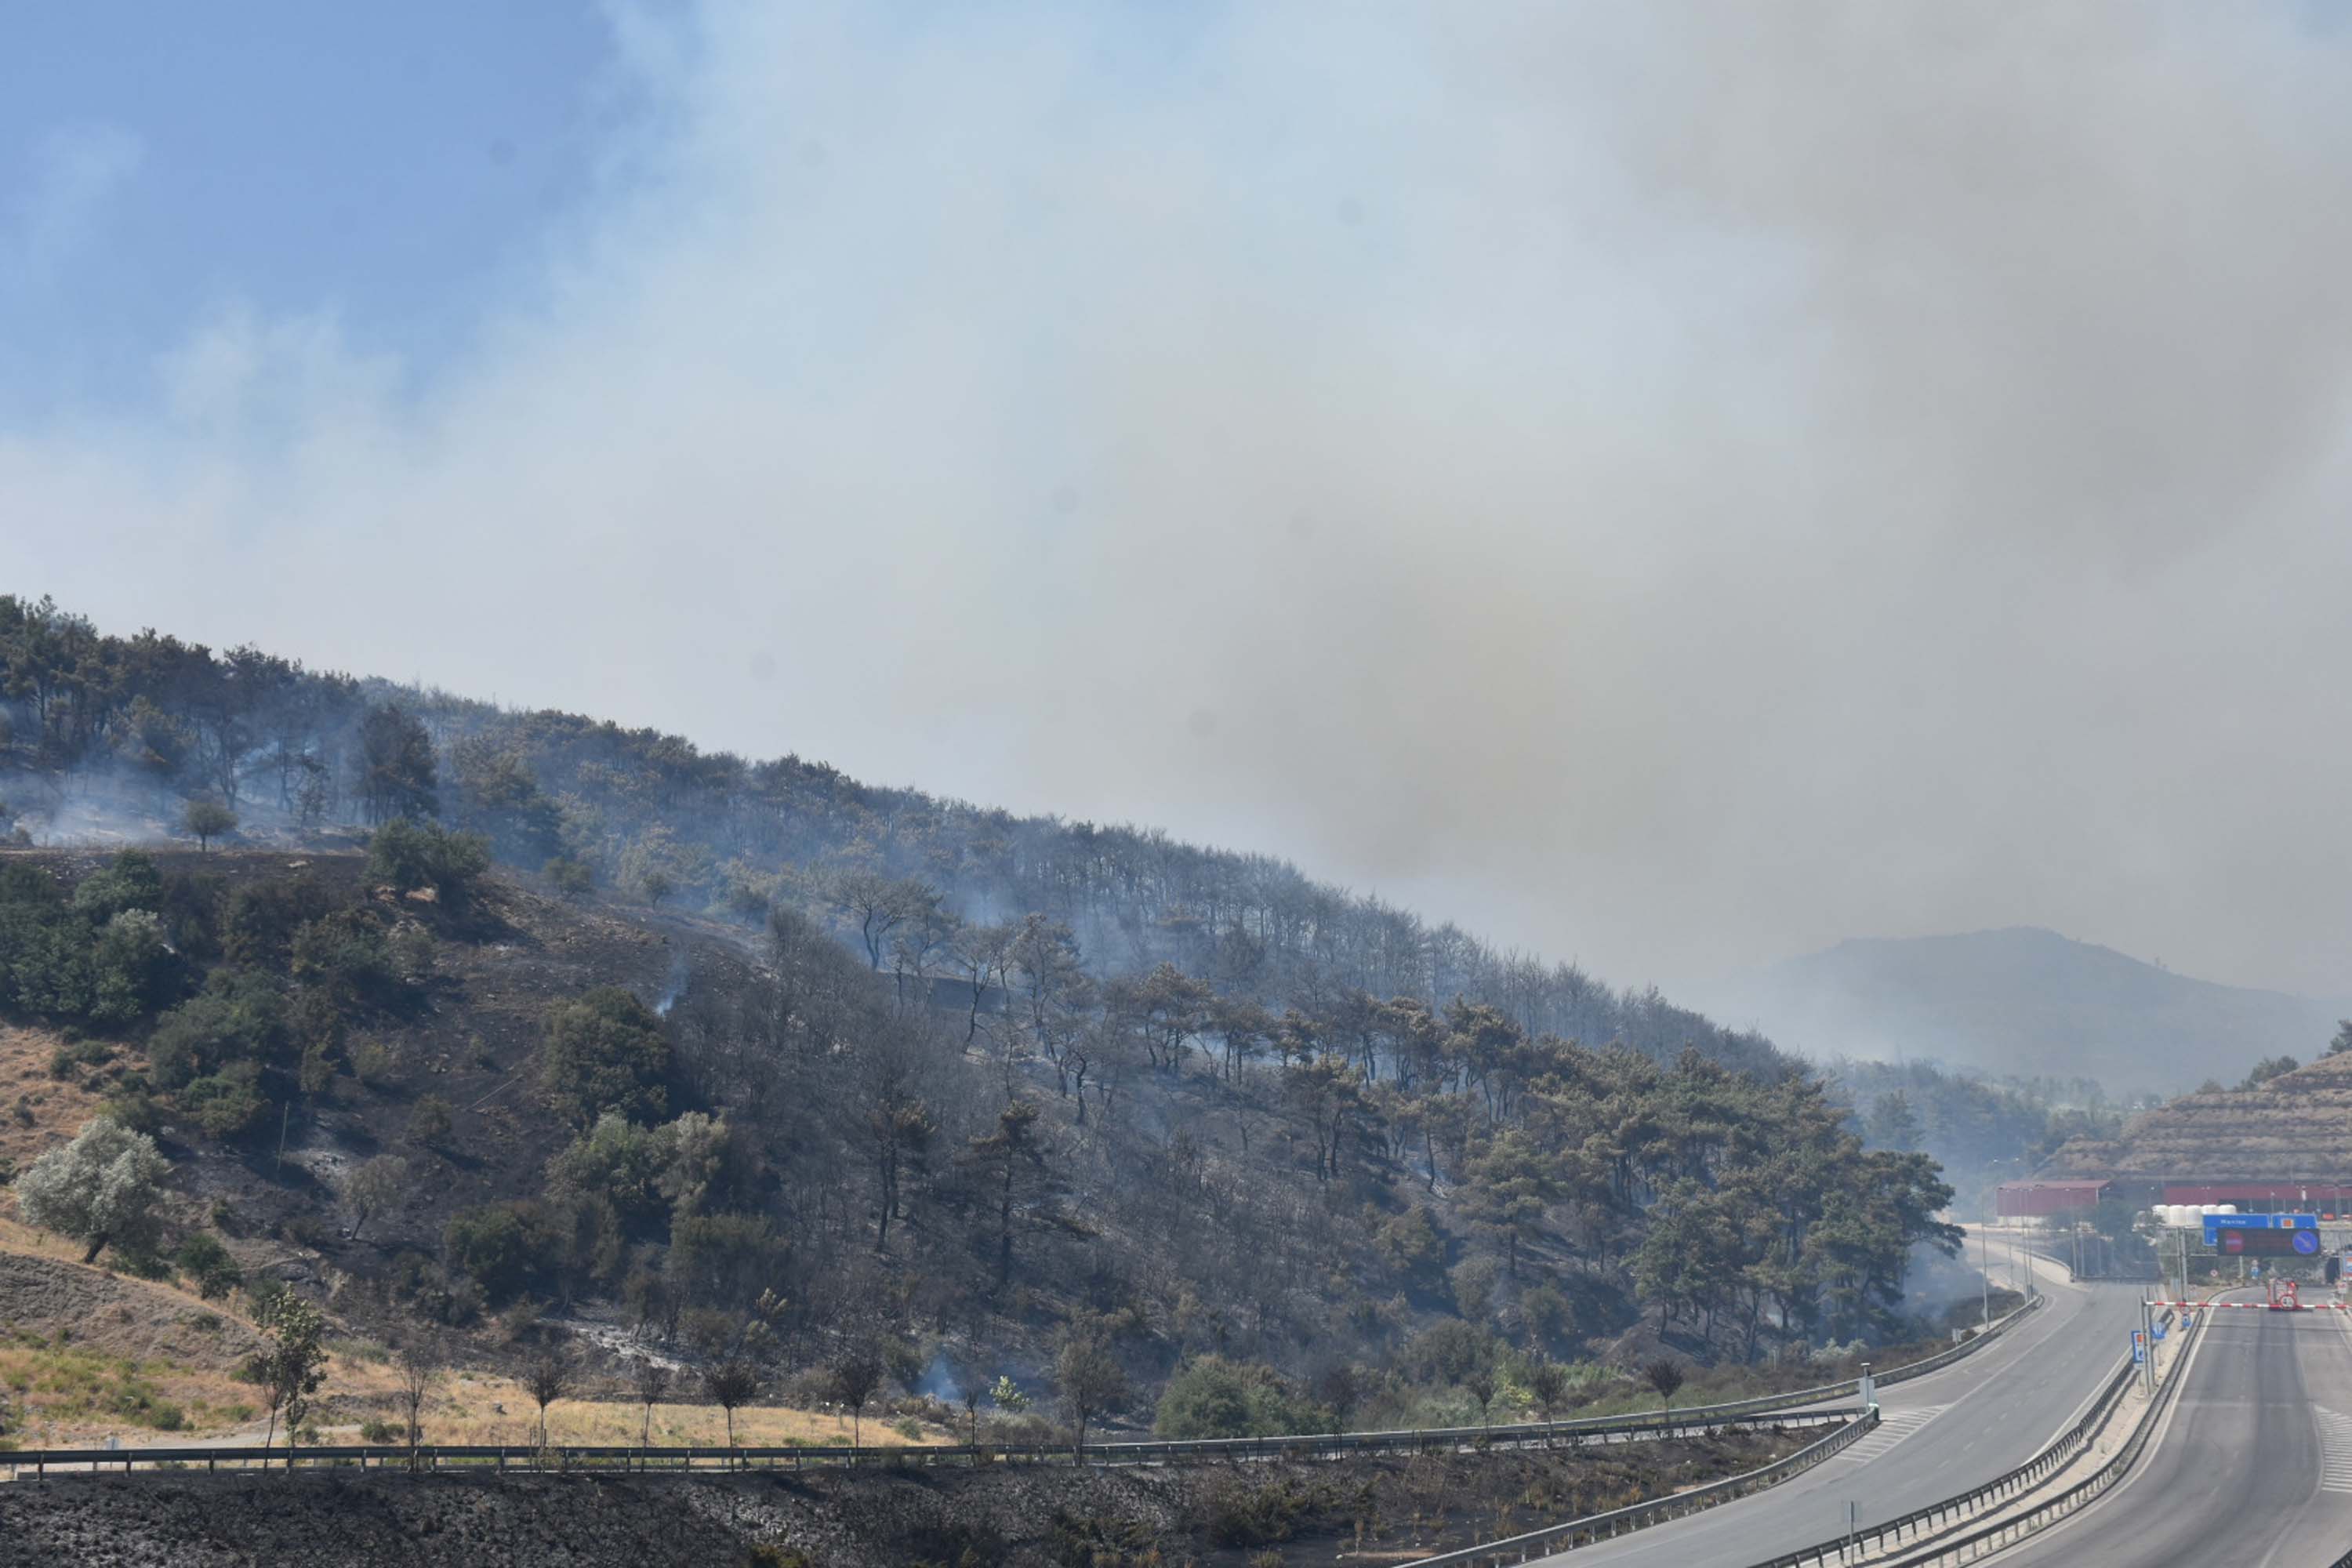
(1984, 1279)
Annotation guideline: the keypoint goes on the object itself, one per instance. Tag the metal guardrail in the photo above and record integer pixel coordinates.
(578, 1456)
(1302, 1446)
(1939, 1515)
(1559, 1537)
(1601, 1526)
(2007, 1531)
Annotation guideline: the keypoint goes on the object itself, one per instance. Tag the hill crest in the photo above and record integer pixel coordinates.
(2028, 1002)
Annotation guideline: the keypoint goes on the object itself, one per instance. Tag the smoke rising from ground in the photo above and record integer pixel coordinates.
(1673, 486)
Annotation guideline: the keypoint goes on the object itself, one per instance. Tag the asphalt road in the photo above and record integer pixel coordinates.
(1942, 1434)
(2252, 1468)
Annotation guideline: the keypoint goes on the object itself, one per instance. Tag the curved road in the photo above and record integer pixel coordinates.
(2253, 1467)
(1942, 1434)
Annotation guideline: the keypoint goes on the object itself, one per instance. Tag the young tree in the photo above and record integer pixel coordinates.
(549, 1378)
(1665, 1377)
(292, 1362)
(971, 1388)
(651, 1380)
(1003, 1158)
(103, 1188)
(374, 1186)
(1548, 1385)
(1339, 1388)
(1092, 1381)
(854, 1378)
(1480, 1385)
(418, 1363)
(730, 1383)
(207, 820)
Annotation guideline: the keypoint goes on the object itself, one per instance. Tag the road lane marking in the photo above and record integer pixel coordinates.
(2335, 1451)
(1891, 1429)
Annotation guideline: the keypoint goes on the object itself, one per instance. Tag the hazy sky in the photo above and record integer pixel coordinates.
(1668, 485)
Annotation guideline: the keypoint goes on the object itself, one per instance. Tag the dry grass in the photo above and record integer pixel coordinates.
(465, 1408)
(2296, 1127)
(38, 1111)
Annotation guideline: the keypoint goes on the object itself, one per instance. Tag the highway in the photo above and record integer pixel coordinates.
(2252, 1468)
(1942, 1434)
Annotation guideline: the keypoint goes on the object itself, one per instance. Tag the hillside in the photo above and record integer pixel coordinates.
(534, 1031)
(2027, 1003)
(2297, 1126)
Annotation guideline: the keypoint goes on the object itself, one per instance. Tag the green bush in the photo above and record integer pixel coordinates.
(1213, 1397)
(407, 855)
(228, 1102)
(238, 1016)
(607, 1052)
(347, 957)
(504, 1249)
(129, 881)
(211, 1266)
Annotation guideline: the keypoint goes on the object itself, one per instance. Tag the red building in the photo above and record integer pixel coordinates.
(2034, 1200)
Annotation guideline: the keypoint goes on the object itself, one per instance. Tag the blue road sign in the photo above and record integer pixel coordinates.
(2215, 1224)
(2139, 1348)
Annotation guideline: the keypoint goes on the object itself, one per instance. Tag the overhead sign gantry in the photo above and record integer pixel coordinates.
(2262, 1235)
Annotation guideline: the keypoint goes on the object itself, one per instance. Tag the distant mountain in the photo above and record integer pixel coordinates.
(2027, 1002)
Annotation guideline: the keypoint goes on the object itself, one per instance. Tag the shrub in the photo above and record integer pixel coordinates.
(238, 1016)
(407, 855)
(228, 1102)
(346, 955)
(428, 1123)
(1213, 1397)
(259, 923)
(130, 882)
(213, 1267)
(607, 1052)
(131, 967)
(504, 1249)
(375, 1429)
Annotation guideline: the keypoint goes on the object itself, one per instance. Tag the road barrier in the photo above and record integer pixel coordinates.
(1696, 1419)
(1924, 1522)
(2008, 1531)
(1617, 1522)
(1601, 1526)
(621, 1457)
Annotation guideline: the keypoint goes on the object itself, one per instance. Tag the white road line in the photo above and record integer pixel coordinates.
(1891, 1430)
(2335, 1451)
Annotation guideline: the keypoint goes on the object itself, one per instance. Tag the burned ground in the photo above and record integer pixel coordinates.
(1211, 1516)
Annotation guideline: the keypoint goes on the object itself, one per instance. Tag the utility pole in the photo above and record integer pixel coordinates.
(1984, 1280)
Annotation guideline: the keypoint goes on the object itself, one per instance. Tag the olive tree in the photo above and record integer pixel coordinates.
(374, 1186)
(207, 820)
(102, 1188)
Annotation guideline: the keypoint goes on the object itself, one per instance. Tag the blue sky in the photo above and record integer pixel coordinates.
(1675, 484)
(398, 165)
